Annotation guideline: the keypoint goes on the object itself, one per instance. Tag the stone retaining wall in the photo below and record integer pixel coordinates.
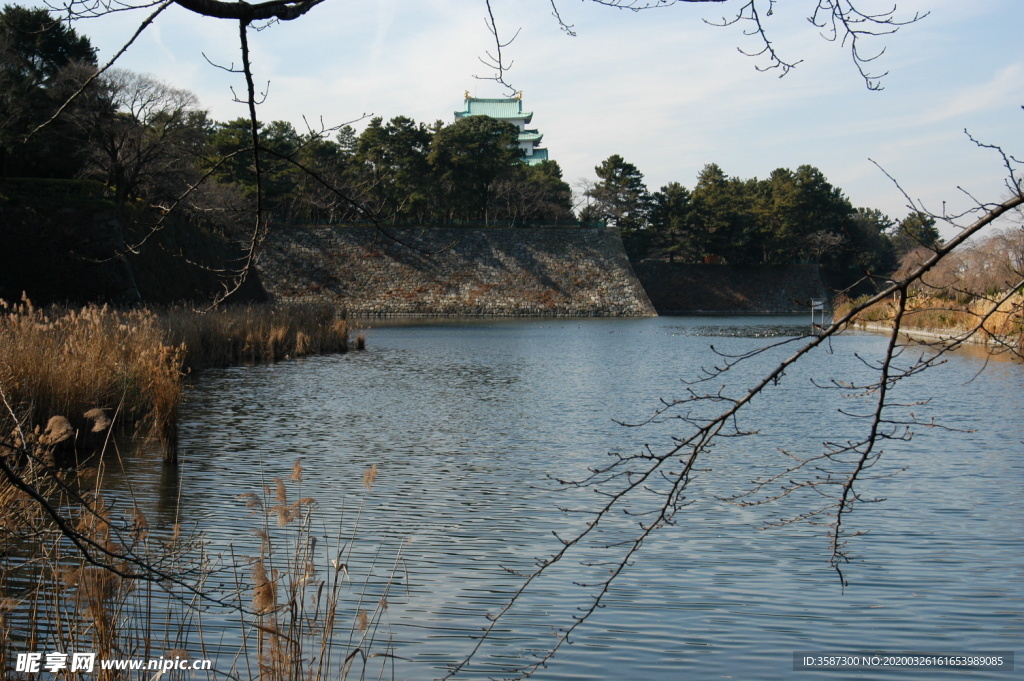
(940, 336)
(675, 288)
(454, 271)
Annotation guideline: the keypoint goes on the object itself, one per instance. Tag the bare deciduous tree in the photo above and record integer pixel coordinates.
(146, 141)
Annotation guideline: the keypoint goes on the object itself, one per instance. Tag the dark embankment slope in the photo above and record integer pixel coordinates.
(692, 289)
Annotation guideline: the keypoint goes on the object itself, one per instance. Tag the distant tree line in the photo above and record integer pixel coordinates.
(145, 140)
(790, 217)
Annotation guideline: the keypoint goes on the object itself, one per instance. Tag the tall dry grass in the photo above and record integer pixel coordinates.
(984, 318)
(67, 362)
(309, 621)
(294, 605)
(131, 363)
(255, 333)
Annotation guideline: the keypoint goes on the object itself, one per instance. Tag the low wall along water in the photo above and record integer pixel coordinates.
(580, 272)
(675, 288)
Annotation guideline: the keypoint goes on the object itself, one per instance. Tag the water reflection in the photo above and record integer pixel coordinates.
(469, 423)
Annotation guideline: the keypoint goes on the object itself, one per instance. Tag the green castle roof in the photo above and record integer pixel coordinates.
(508, 110)
(505, 109)
(538, 156)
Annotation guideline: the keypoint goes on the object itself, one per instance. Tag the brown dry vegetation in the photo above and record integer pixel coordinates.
(132, 363)
(67, 362)
(973, 293)
(308, 619)
(983, 316)
(981, 268)
(255, 333)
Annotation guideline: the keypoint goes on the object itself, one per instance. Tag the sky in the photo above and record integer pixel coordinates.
(661, 88)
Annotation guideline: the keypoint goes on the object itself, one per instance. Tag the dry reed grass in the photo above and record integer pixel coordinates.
(295, 609)
(56, 599)
(99, 363)
(298, 599)
(984, 318)
(255, 333)
(68, 362)
(131, 363)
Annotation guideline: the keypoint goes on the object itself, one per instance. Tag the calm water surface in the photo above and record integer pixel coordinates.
(469, 422)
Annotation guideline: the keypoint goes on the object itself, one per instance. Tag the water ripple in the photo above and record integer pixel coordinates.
(468, 424)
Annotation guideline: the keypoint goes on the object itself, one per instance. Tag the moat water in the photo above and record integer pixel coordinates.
(471, 422)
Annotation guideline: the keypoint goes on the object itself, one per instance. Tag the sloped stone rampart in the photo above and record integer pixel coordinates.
(675, 288)
(455, 271)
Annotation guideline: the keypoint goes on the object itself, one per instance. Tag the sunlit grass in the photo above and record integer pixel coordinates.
(984, 318)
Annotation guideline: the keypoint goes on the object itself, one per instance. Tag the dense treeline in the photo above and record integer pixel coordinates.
(145, 140)
(790, 217)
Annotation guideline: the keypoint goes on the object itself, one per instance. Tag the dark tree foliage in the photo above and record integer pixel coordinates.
(327, 160)
(392, 168)
(621, 199)
(232, 166)
(532, 193)
(468, 158)
(915, 231)
(620, 195)
(671, 225)
(788, 218)
(714, 214)
(42, 61)
(866, 252)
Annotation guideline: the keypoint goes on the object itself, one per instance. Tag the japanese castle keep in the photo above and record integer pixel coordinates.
(510, 110)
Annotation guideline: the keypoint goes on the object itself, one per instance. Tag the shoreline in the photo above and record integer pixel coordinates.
(925, 336)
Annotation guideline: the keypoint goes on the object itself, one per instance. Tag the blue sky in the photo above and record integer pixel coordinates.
(661, 88)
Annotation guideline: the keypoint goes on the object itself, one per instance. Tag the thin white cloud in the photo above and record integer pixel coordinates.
(1003, 90)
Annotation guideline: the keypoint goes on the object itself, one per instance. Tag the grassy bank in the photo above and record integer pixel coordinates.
(981, 318)
(131, 364)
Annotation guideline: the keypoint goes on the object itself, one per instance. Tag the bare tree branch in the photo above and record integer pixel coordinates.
(283, 10)
(651, 486)
(124, 48)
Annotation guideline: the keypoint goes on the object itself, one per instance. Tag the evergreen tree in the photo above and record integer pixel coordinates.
(915, 231)
(468, 158)
(869, 251)
(42, 61)
(391, 162)
(231, 144)
(670, 226)
(712, 212)
(620, 195)
(533, 193)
